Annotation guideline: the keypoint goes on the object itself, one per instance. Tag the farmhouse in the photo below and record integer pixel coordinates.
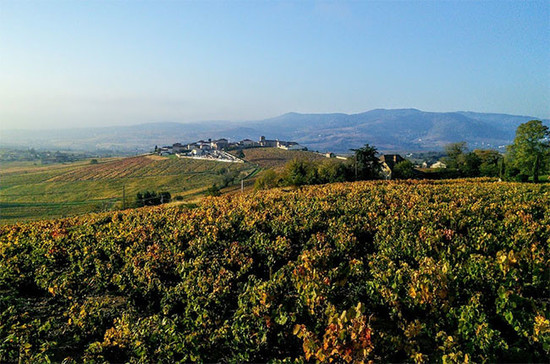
(391, 159)
(438, 164)
(290, 146)
(388, 162)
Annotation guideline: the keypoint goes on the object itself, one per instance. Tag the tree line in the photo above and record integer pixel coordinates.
(528, 156)
(363, 165)
(152, 198)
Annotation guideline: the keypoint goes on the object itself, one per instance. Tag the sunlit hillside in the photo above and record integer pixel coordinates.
(29, 191)
(32, 191)
(276, 158)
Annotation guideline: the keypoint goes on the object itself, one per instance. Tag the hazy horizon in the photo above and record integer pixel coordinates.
(97, 64)
(237, 122)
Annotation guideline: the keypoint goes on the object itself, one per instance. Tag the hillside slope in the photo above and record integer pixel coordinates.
(276, 158)
(382, 271)
(35, 192)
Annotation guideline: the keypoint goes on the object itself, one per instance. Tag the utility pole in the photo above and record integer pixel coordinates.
(123, 197)
(242, 185)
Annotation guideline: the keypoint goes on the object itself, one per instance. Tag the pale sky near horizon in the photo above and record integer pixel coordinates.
(100, 63)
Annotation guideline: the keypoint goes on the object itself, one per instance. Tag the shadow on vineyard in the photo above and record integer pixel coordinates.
(448, 271)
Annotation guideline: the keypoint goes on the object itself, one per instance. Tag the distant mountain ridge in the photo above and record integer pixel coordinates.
(387, 129)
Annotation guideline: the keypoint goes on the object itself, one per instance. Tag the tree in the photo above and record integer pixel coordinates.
(454, 152)
(213, 190)
(458, 158)
(365, 162)
(267, 179)
(403, 170)
(469, 164)
(165, 197)
(331, 171)
(152, 198)
(502, 169)
(240, 154)
(490, 162)
(531, 148)
(300, 172)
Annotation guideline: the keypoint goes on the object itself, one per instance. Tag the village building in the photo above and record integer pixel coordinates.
(290, 145)
(216, 149)
(219, 144)
(204, 144)
(267, 143)
(388, 162)
(438, 164)
(177, 148)
(248, 143)
(166, 150)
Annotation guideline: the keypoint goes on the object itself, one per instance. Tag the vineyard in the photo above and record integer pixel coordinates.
(39, 192)
(447, 271)
(276, 158)
(139, 167)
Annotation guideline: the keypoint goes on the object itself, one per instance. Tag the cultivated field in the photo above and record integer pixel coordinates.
(30, 192)
(446, 271)
(276, 158)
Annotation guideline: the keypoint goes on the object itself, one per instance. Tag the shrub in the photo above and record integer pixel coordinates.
(267, 179)
(213, 190)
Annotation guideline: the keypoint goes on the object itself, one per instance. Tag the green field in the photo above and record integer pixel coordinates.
(30, 191)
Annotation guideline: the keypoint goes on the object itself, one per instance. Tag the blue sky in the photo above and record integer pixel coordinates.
(98, 63)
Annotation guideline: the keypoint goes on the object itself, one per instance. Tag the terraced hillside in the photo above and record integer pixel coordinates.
(447, 271)
(30, 191)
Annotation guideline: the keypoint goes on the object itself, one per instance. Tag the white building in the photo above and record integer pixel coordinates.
(438, 164)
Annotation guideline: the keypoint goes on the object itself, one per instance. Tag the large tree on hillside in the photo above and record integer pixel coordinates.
(531, 148)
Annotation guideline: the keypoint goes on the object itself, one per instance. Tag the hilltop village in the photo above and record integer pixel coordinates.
(217, 149)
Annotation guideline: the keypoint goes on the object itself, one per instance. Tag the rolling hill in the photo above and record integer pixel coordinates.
(276, 158)
(389, 130)
(31, 192)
